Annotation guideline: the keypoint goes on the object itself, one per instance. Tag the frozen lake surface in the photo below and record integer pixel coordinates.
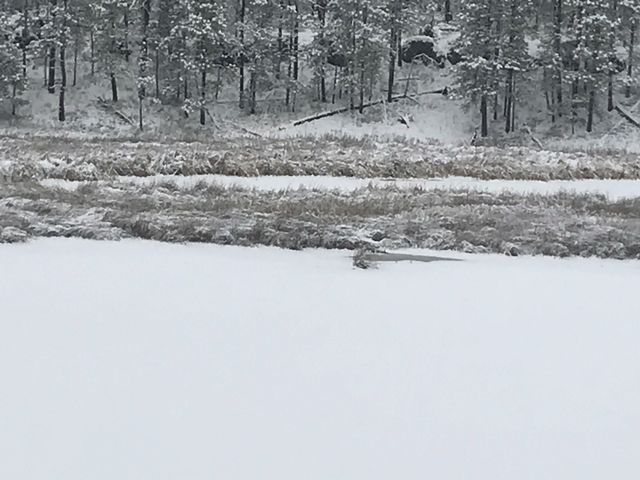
(146, 361)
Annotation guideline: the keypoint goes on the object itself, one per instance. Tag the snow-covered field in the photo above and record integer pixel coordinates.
(138, 360)
(614, 189)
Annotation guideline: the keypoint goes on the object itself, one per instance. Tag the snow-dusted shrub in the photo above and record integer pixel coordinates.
(13, 235)
(47, 157)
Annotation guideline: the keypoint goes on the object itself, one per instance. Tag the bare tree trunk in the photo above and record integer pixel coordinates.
(508, 101)
(610, 92)
(323, 88)
(25, 35)
(513, 104)
(157, 71)
(351, 69)
(574, 112)
(399, 47)
(296, 53)
(127, 54)
(75, 62)
(592, 96)
(252, 91)
(335, 85)
(613, 14)
(287, 99)
(322, 18)
(558, 50)
(203, 97)
(51, 85)
(185, 86)
(178, 87)
(14, 94)
(218, 81)
(62, 115)
(362, 65)
(143, 60)
(93, 52)
(243, 8)
(632, 39)
(46, 67)
(51, 82)
(361, 106)
(484, 125)
(393, 41)
(447, 11)
(114, 87)
(280, 55)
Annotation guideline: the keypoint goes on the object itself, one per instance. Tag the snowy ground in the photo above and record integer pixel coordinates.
(139, 360)
(613, 189)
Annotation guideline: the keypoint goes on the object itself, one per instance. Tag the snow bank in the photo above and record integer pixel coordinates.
(150, 361)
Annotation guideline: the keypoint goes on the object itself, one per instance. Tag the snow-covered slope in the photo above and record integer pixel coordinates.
(138, 360)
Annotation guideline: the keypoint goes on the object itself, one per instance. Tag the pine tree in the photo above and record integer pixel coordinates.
(63, 35)
(514, 57)
(479, 45)
(12, 80)
(143, 59)
(111, 40)
(595, 35)
(629, 11)
(356, 29)
(201, 41)
(319, 51)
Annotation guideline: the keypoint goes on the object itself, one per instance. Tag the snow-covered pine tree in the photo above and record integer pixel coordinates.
(514, 56)
(12, 80)
(22, 30)
(394, 19)
(260, 47)
(171, 39)
(595, 51)
(200, 42)
(477, 75)
(144, 80)
(64, 21)
(629, 15)
(111, 40)
(552, 24)
(290, 17)
(318, 50)
(402, 16)
(357, 32)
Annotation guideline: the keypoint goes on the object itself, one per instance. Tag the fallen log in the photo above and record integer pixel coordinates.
(319, 116)
(533, 138)
(111, 109)
(627, 117)
(622, 120)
